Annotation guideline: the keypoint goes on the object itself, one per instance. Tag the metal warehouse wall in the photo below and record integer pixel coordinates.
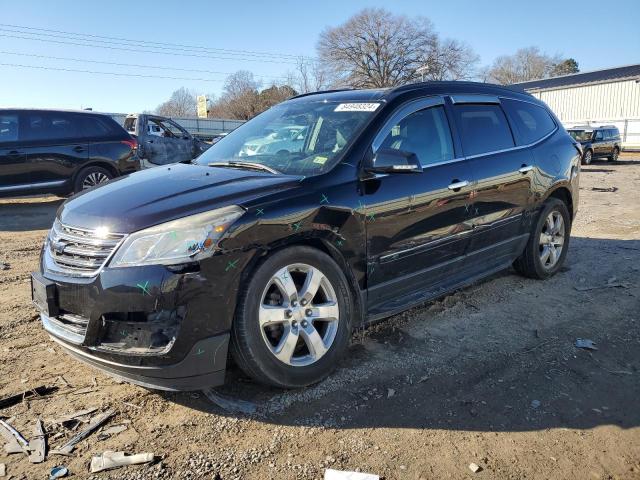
(616, 100)
(615, 103)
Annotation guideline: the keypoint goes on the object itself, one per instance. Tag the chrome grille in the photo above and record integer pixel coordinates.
(79, 252)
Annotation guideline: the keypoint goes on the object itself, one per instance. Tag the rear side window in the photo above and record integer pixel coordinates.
(425, 133)
(50, 126)
(94, 126)
(8, 128)
(483, 128)
(531, 121)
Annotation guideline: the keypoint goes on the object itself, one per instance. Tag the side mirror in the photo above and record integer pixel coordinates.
(389, 160)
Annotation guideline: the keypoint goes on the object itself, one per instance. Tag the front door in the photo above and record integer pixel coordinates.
(417, 223)
(14, 172)
(166, 142)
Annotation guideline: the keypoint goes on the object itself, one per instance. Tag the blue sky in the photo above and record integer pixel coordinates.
(278, 27)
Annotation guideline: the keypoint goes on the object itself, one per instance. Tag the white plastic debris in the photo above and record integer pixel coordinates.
(109, 460)
(474, 467)
(330, 474)
(3, 470)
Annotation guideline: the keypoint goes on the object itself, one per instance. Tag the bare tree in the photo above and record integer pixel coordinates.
(182, 103)
(242, 99)
(310, 76)
(526, 64)
(376, 48)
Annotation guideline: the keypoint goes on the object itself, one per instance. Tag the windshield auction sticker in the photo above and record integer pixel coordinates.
(357, 107)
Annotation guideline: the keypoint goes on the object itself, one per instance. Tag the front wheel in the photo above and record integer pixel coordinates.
(293, 320)
(547, 247)
(587, 157)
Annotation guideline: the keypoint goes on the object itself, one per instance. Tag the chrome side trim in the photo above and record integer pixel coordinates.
(32, 186)
(474, 98)
(395, 255)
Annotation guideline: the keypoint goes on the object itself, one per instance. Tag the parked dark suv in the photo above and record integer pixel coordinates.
(61, 152)
(392, 198)
(597, 142)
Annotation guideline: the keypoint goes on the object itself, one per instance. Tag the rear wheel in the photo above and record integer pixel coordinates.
(90, 177)
(614, 155)
(293, 319)
(547, 247)
(587, 157)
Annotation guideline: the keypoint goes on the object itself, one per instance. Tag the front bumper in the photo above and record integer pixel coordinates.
(155, 326)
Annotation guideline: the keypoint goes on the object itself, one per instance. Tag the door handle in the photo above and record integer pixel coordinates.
(525, 168)
(149, 141)
(457, 185)
(78, 149)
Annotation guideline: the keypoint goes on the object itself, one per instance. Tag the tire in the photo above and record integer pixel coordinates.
(90, 177)
(262, 352)
(587, 157)
(614, 155)
(534, 261)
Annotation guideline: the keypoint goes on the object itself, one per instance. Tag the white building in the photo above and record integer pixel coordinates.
(599, 97)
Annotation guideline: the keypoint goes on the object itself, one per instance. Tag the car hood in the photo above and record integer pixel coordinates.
(161, 194)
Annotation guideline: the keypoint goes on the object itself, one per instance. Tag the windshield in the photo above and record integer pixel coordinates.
(299, 138)
(581, 135)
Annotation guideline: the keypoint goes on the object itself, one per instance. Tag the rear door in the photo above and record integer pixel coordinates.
(14, 171)
(503, 193)
(55, 147)
(417, 223)
(600, 147)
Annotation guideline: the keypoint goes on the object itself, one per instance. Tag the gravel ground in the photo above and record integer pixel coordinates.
(488, 375)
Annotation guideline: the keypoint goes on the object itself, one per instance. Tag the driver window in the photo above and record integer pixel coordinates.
(425, 133)
(599, 136)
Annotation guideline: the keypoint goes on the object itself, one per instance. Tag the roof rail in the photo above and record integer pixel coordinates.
(322, 91)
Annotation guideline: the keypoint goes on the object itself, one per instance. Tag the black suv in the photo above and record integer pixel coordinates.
(597, 142)
(388, 199)
(61, 152)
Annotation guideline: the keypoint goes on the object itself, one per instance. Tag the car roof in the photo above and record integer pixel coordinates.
(424, 88)
(51, 110)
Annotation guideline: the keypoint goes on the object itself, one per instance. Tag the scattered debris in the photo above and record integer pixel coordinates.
(586, 344)
(36, 392)
(611, 283)
(75, 416)
(390, 392)
(474, 467)
(604, 189)
(60, 378)
(95, 423)
(16, 443)
(132, 405)
(229, 404)
(3, 470)
(330, 474)
(535, 403)
(109, 460)
(83, 391)
(38, 444)
(108, 432)
(4, 266)
(58, 472)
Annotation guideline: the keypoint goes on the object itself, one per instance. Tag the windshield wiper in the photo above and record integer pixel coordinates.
(247, 165)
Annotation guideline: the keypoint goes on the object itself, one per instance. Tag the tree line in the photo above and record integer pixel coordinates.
(373, 49)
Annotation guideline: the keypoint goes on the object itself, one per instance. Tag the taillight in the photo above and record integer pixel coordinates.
(132, 143)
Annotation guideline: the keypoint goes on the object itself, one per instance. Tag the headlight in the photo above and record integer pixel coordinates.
(184, 240)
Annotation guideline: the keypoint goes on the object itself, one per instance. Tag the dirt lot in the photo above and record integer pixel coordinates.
(488, 375)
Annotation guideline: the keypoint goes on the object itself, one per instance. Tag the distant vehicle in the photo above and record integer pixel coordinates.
(281, 141)
(162, 141)
(61, 152)
(597, 142)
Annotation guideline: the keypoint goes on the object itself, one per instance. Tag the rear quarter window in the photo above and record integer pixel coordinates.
(531, 121)
(94, 126)
(8, 128)
(483, 128)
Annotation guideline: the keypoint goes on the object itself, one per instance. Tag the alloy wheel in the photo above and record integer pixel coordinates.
(614, 155)
(552, 239)
(93, 179)
(587, 157)
(299, 314)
